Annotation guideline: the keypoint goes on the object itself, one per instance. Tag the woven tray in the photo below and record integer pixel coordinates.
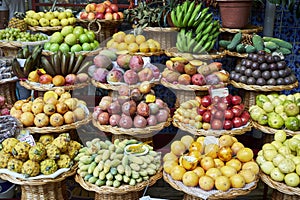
(44, 29)
(266, 88)
(123, 189)
(186, 87)
(247, 29)
(269, 130)
(132, 131)
(236, 54)
(16, 44)
(41, 87)
(116, 87)
(210, 132)
(9, 127)
(193, 191)
(173, 52)
(85, 53)
(280, 186)
(59, 129)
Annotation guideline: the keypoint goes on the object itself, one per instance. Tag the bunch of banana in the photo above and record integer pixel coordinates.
(189, 14)
(198, 41)
(65, 63)
(33, 61)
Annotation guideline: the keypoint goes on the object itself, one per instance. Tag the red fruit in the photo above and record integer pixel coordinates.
(114, 7)
(99, 15)
(236, 100)
(206, 101)
(2, 101)
(216, 100)
(198, 79)
(108, 10)
(213, 110)
(237, 122)
(217, 124)
(219, 115)
(228, 114)
(236, 111)
(227, 100)
(227, 124)
(240, 106)
(245, 114)
(103, 118)
(201, 110)
(136, 63)
(206, 117)
(222, 106)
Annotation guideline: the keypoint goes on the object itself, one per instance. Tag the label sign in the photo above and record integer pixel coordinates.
(221, 92)
(29, 139)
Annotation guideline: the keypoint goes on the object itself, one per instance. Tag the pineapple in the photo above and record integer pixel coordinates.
(62, 142)
(15, 165)
(64, 161)
(73, 148)
(30, 168)
(46, 139)
(8, 144)
(4, 158)
(38, 152)
(18, 21)
(52, 151)
(48, 166)
(21, 150)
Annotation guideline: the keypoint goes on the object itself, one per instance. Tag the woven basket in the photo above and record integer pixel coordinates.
(85, 53)
(173, 52)
(116, 87)
(28, 85)
(281, 187)
(269, 130)
(249, 98)
(247, 29)
(276, 195)
(132, 131)
(8, 90)
(210, 132)
(45, 28)
(165, 36)
(103, 29)
(124, 192)
(265, 88)
(146, 138)
(42, 189)
(9, 127)
(231, 194)
(236, 54)
(59, 129)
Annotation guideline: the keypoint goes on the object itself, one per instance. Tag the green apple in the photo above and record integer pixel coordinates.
(49, 16)
(72, 20)
(54, 47)
(71, 39)
(291, 109)
(260, 152)
(283, 115)
(282, 97)
(96, 43)
(276, 102)
(292, 179)
(255, 112)
(83, 38)
(260, 160)
(267, 167)
(69, 13)
(268, 146)
(76, 48)
(78, 30)
(57, 37)
(260, 99)
(279, 109)
(287, 166)
(280, 136)
(66, 30)
(91, 35)
(292, 123)
(47, 46)
(44, 22)
(293, 144)
(262, 119)
(56, 13)
(275, 120)
(64, 48)
(86, 47)
(296, 160)
(93, 46)
(290, 97)
(36, 16)
(54, 22)
(62, 15)
(269, 154)
(277, 144)
(277, 175)
(277, 159)
(64, 22)
(298, 169)
(284, 150)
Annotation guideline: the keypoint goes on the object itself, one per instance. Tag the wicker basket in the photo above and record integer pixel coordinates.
(8, 90)
(195, 192)
(124, 192)
(59, 129)
(165, 36)
(146, 138)
(173, 52)
(103, 28)
(247, 29)
(85, 53)
(28, 85)
(265, 88)
(276, 195)
(45, 28)
(281, 187)
(269, 130)
(210, 132)
(42, 189)
(9, 127)
(116, 87)
(132, 131)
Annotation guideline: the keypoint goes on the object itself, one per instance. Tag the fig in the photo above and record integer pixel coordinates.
(114, 108)
(131, 77)
(143, 109)
(145, 87)
(103, 118)
(136, 63)
(114, 120)
(145, 74)
(102, 61)
(125, 122)
(151, 120)
(129, 108)
(123, 61)
(155, 70)
(139, 121)
(70, 79)
(136, 95)
(162, 115)
(124, 90)
(82, 77)
(114, 75)
(160, 103)
(100, 75)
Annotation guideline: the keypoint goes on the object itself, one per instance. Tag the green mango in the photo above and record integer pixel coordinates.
(292, 123)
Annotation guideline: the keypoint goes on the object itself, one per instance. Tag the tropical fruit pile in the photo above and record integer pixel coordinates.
(215, 113)
(280, 159)
(255, 43)
(55, 108)
(277, 111)
(45, 19)
(127, 69)
(195, 72)
(199, 31)
(137, 108)
(126, 162)
(71, 39)
(131, 43)
(222, 164)
(45, 157)
(14, 34)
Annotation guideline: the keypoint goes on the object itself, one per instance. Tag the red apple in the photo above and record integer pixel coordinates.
(236, 100)
(198, 79)
(108, 16)
(228, 114)
(206, 101)
(99, 15)
(121, 15)
(45, 79)
(114, 7)
(206, 117)
(236, 111)
(201, 110)
(245, 116)
(216, 100)
(90, 7)
(210, 107)
(83, 15)
(216, 124)
(222, 106)
(107, 3)
(116, 16)
(219, 115)
(91, 16)
(108, 10)
(213, 110)
(227, 100)
(240, 106)
(100, 8)
(227, 124)
(237, 122)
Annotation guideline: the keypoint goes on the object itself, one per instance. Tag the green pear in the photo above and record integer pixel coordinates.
(44, 22)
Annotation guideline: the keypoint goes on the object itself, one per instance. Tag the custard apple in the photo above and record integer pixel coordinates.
(48, 166)
(8, 144)
(15, 165)
(46, 139)
(30, 168)
(62, 142)
(73, 148)
(4, 158)
(21, 150)
(52, 151)
(64, 161)
(38, 152)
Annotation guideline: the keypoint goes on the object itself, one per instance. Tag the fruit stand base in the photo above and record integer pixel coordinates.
(276, 195)
(127, 196)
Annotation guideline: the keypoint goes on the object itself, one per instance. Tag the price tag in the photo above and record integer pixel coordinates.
(29, 139)
(221, 92)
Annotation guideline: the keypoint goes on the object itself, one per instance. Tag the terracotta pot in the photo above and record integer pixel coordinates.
(235, 13)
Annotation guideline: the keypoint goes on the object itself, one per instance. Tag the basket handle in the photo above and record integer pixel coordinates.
(98, 24)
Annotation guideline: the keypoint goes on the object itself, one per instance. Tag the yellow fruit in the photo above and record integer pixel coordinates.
(119, 37)
(169, 165)
(79, 114)
(253, 166)
(188, 162)
(228, 171)
(34, 76)
(139, 39)
(235, 163)
(248, 175)
(157, 44)
(133, 47)
(129, 38)
(207, 163)
(26, 107)
(69, 117)
(49, 109)
(245, 154)
(218, 163)
(190, 179)
(222, 183)
(122, 46)
(41, 120)
(237, 181)
(114, 45)
(195, 154)
(144, 47)
(56, 119)
(199, 171)
(50, 94)
(177, 172)
(18, 104)
(206, 183)
(225, 141)
(196, 146)
(58, 80)
(170, 156)
(177, 148)
(52, 100)
(152, 47)
(109, 43)
(213, 172)
(61, 108)
(187, 140)
(65, 95)
(27, 118)
(37, 108)
(211, 150)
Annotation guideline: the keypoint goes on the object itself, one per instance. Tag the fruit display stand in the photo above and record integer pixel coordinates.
(173, 52)
(44, 188)
(192, 193)
(270, 130)
(123, 192)
(8, 89)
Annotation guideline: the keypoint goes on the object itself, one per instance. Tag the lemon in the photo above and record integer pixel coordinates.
(50, 94)
(144, 47)
(133, 47)
(139, 39)
(122, 46)
(129, 38)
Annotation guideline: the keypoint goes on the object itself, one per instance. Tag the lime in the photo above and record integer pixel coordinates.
(78, 30)
(57, 37)
(47, 46)
(54, 47)
(91, 35)
(66, 30)
(76, 48)
(71, 39)
(86, 47)
(64, 48)
(83, 38)
(96, 43)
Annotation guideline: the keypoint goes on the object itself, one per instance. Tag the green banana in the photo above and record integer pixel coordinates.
(16, 68)
(79, 61)
(47, 66)
(56, 63)
(203, 39)
(194, 15)
(211, 45)
(25, 52)
(205, 47)
(180, 20)
(200, 17)
(207, 29)
(20, 54)
(64, 64)
(84, 67)
(185, 7)
(197, 48)
(71, 62)
(188, 14)
(191, 45)
(174, 19)
(200, 28)
(28, 65)
(198, 37)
